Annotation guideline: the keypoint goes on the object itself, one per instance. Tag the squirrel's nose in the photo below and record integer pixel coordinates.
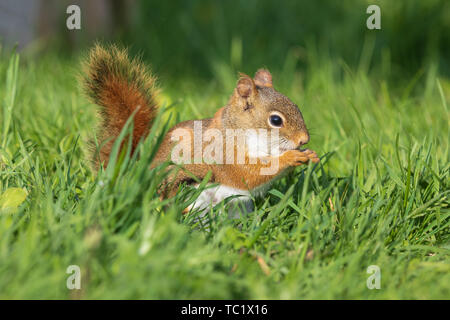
(303, 139)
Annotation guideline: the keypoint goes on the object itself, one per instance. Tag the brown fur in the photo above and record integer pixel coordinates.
(244, 176)
(121, 87)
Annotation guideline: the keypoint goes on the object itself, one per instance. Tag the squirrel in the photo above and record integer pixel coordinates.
(124, 87)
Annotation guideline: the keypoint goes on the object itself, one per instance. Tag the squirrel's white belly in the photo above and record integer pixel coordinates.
(214, 195)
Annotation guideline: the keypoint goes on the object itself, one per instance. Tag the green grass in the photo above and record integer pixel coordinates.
(378, 197)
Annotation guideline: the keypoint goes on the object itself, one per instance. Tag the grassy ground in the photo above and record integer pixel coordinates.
(378, 197)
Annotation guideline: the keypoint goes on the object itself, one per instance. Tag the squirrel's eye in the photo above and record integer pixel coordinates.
(275, 120)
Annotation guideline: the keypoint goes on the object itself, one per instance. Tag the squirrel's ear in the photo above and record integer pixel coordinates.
(245, 86)
(263, 78)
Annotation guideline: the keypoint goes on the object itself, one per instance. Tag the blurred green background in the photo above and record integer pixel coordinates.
(186, 37)
(375, 103)
(190, 38)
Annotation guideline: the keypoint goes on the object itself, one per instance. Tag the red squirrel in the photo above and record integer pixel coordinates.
(122, 87)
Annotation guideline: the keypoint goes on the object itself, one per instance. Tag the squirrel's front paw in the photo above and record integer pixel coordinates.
(312, 155)
(299, 157)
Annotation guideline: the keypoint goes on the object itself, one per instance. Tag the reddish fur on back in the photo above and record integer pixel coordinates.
(121, 87)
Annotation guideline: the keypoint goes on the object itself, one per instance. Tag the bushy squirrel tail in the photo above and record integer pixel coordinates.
(121, 87)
